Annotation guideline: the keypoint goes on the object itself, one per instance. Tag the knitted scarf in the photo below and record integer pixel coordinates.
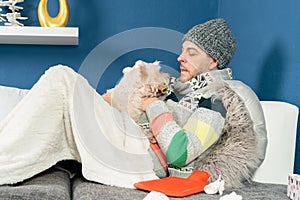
(191, 92)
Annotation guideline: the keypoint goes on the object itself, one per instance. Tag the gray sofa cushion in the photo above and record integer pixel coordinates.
(51, 184)
(83, 189)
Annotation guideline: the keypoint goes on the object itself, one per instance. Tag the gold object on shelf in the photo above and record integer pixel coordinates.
(62, 18)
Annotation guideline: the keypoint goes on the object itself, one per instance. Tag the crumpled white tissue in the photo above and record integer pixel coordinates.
(231, 196)
(215, 187)
(153, 195)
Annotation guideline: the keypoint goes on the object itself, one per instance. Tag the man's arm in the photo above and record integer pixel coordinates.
(181, 145)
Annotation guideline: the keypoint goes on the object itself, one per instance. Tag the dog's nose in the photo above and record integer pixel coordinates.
(163, 89)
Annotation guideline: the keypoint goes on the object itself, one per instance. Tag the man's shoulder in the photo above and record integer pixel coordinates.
(242, 89)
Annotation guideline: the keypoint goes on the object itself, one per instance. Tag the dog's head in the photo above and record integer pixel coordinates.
(151, 82)
(143, 80)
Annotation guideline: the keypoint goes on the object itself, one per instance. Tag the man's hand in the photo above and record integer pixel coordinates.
(147, 102)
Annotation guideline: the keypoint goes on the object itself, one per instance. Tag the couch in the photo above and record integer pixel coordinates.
(65, 181)
(57, 184)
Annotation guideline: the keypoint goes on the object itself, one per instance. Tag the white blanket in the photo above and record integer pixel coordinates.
(62, 117)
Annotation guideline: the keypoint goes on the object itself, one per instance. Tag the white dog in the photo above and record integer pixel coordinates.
(141, 81)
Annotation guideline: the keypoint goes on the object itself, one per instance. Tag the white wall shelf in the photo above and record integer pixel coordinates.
(39, 35)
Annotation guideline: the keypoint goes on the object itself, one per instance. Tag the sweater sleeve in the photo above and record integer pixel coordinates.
(181, 145)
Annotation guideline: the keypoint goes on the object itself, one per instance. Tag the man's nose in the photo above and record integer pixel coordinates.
(181, 59)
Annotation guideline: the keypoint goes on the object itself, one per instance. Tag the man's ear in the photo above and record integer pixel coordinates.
(213, 64)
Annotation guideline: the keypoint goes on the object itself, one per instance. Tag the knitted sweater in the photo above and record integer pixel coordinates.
(186, 130)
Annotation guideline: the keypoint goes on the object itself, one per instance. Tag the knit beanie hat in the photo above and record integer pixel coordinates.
(215, 38)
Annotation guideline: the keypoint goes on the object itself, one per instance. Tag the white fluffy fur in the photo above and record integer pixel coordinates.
(141, 81)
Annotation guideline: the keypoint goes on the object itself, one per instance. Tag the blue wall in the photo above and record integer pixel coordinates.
(268, 44)
(21, 65)
(267, 33)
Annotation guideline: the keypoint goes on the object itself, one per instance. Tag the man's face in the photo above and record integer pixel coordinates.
(194, 61)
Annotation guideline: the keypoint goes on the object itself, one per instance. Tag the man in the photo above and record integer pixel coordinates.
(190, 130)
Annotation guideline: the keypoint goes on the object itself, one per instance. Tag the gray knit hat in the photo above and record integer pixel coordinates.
(215, 38)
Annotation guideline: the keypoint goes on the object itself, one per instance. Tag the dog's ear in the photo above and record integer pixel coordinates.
(108, 96)
(156, 62)
(143, 71)
(139, 63)
(126, 69)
